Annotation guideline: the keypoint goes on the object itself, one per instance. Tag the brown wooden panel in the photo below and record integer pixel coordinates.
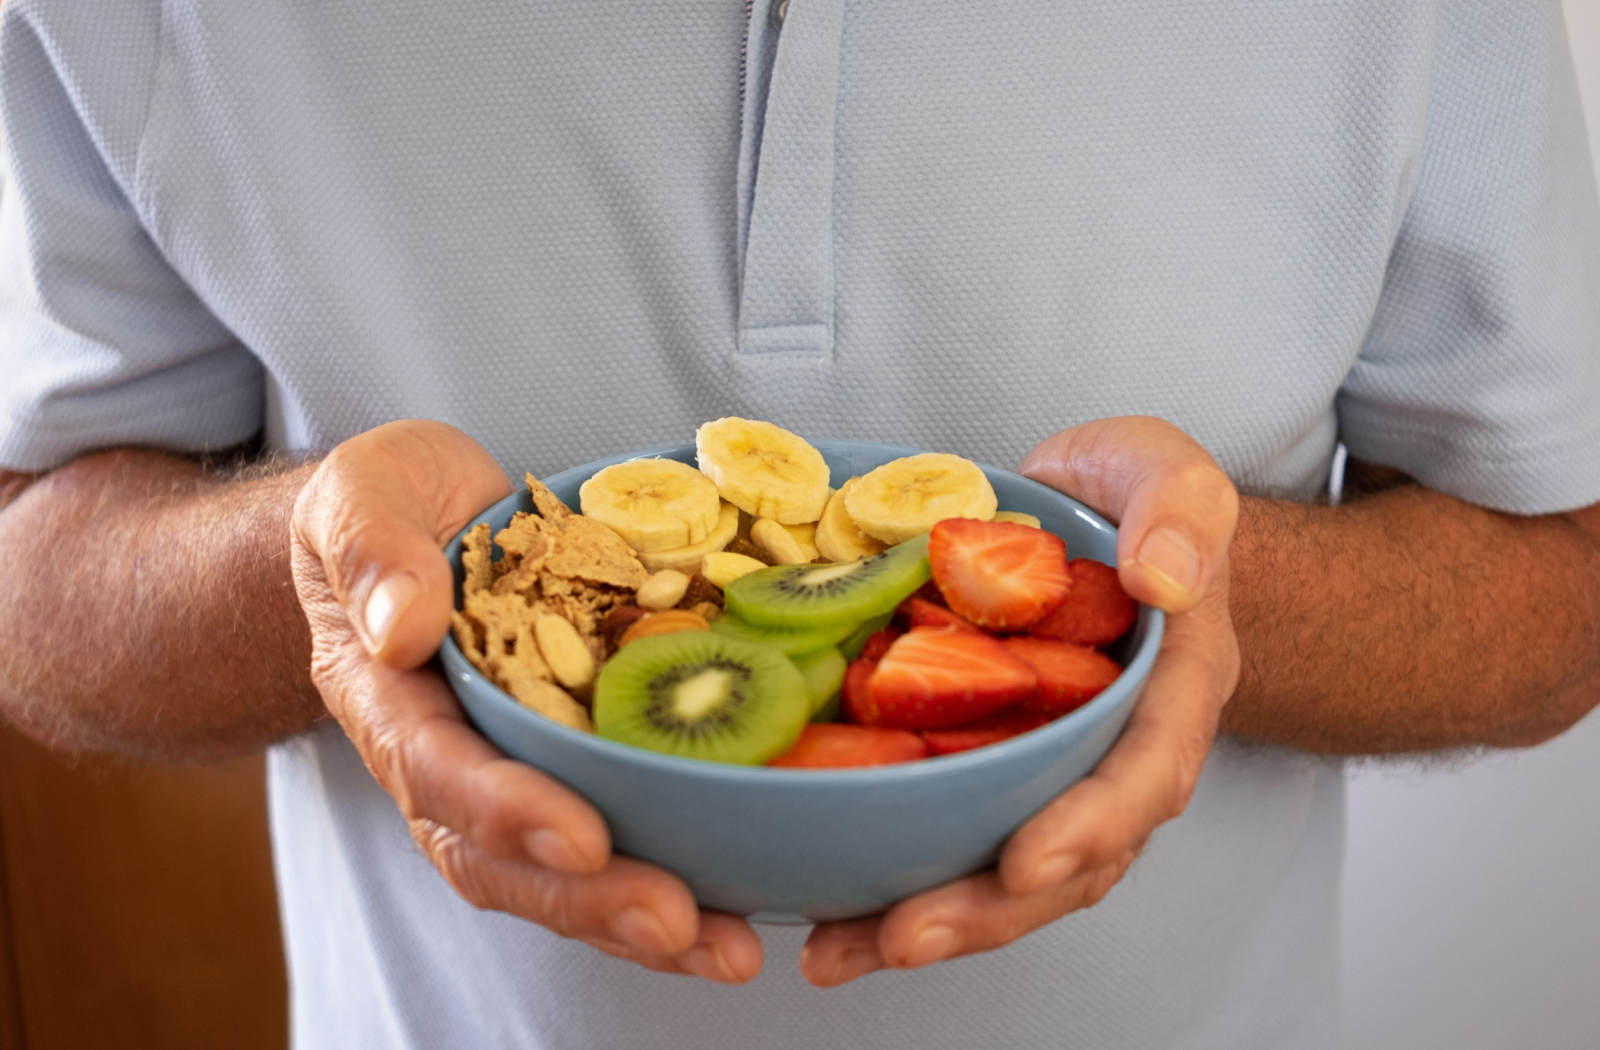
(10, 995)
(142, 903)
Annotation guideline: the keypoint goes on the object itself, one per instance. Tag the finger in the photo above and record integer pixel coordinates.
(1149, 775)
(838, 952)
(970, 915)
(1175, 506)
(410, 732)
(375, 516)
(727, 951)
(629, 902)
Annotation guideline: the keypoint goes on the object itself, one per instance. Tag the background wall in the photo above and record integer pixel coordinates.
(1472, 895)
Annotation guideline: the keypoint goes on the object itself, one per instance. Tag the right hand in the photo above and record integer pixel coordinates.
(367, 538)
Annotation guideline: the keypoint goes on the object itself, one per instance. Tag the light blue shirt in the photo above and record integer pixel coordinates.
(578, 229)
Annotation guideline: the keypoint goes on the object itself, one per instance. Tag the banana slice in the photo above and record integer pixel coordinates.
(777, 541)
(806, 536)
(1018, 517)
(907, 497)
(687, 559)
(837, 537)
(654, 504)
(763, 469)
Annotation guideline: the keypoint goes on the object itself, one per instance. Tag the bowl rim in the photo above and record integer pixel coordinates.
(1043, 738)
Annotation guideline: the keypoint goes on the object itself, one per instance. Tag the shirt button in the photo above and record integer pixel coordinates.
(779, 10)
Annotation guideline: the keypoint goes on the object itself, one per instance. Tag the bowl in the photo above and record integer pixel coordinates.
(799, 846)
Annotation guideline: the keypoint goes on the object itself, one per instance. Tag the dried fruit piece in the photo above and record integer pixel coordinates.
(937, 677)
(1096, 611)
(667, 621)
(997, 574)
(834, 745)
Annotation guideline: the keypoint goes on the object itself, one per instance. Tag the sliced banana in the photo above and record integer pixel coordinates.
(687, 559)
(723, 568)
(775, 539)
(764, 469)
(907, 497)
(1018, 518)
(654, 504)
(837, 536)
(806, 536)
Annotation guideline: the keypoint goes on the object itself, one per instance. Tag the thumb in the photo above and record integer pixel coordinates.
(1175, 507)
(375, 516)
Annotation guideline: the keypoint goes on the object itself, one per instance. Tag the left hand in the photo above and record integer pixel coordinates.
(1177, 512)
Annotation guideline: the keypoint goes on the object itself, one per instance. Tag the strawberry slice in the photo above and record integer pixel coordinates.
(833, 745)
(878, 643)
(1069, 675)
(1096, 611)
(991, 729)
(942, 676)
(919, 613)
(853, 693)
(998, 574)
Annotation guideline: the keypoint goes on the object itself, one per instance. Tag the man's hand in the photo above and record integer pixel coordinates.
(1177, 512)
(366, 542)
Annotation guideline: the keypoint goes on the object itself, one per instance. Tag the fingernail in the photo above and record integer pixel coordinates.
(1168, 554)
(385, 604)
(553, 850)
(707, 960)
(1052, 871)
(936, 941)
(640, 927)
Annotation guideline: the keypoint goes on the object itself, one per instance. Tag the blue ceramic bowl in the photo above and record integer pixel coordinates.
(803, 846)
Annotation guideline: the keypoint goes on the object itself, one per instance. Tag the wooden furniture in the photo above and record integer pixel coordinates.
(137, 907)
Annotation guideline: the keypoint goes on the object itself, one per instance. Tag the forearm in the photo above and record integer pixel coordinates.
(1409, 621)
(146, 606)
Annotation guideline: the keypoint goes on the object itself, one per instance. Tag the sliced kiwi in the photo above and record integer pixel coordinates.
(794, 641)
(700, 695)
(824, 674)
(851, 647)
(817, 595)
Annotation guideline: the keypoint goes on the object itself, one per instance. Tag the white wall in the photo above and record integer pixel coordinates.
(1472, 897)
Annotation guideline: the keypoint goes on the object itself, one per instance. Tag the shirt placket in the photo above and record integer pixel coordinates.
(786, 176)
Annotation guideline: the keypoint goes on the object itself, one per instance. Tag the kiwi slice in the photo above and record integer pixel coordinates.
(701, 695)
(824, 674)
(851, 647)
(794, 641)
(817, 595)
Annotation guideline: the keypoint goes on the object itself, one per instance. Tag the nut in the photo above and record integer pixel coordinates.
(723, 568)
(662, 590)
(667, 621)
(780, 546)
(562, 648)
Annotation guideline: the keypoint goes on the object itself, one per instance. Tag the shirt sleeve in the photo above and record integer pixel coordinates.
(102, 343)
(1480, 374)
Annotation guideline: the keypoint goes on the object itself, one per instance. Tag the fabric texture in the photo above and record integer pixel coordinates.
(557, 225)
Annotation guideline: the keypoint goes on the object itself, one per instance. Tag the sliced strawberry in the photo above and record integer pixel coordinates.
(1096, 611)
(833, 745)
(1069, 675)
(943, 676)
(878, 643)
(919, 613)
(930, 592)
(998, 574)
(991, 729)
(853, 693)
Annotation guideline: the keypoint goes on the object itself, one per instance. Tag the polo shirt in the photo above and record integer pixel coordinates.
(578, 229)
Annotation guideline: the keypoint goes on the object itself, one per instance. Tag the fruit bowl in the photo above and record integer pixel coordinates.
(799, 846)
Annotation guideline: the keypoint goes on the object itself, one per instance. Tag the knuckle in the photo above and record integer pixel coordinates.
(390, 757)
(455, 860)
